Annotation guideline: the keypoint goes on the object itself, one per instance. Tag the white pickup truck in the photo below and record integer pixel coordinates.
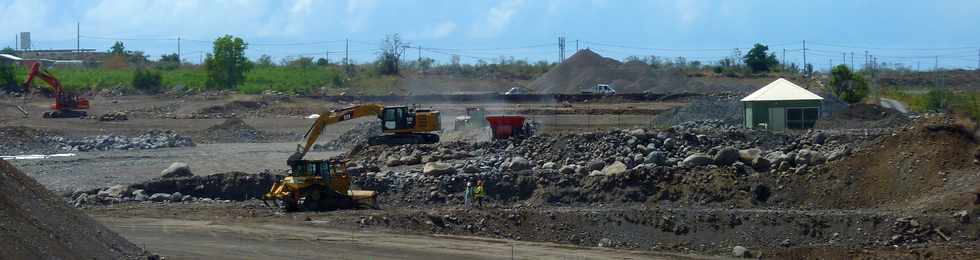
(600, 89)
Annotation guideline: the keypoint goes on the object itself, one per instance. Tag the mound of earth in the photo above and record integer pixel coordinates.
(584, 69)
(15, 140)
(37, 224)
(349, 139)
(701, 109)
(235, 130)
(930, 166)
(237, 106)
(863, 116)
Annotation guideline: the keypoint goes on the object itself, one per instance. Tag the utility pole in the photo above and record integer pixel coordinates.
(179, 61)
(843, 56)
(421, 68)
(852, 60)
(78, 39)
(347, 55)
(561, 49)
(784, 57)
(865, 59)
(576, 45)
(804, 59)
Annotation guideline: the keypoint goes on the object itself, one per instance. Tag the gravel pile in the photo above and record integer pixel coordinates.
(150, 140)
(702, 109)
(349, 139)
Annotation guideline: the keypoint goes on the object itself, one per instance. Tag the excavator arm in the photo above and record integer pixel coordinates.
(36, 71)
(330, 118)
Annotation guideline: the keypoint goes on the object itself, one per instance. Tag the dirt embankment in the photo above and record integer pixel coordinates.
(929, 166)
(37, 224)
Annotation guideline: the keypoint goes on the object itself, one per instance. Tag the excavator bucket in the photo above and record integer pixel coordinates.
(365, 198)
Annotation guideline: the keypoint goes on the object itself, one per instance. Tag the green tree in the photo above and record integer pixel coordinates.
(147, 81)
(847, 86)
(172, 58)
(117, 49)
(227, 65)
(758, 60)
(392, 49)
(7, 50)
(8, 82)
(264, 61)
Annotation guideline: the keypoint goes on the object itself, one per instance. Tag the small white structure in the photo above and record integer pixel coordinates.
(781, 105)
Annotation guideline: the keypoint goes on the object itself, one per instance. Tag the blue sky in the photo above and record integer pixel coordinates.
(908, 32)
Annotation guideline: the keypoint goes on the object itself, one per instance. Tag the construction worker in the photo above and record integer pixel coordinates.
(467, 194)
(479, 193)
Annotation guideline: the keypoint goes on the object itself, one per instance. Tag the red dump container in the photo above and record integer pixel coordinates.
(506, 126)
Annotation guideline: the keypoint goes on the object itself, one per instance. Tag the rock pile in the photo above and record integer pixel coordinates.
(216, 187)
(597, 167)
(149, 140)
(349, 139)
(114, 116)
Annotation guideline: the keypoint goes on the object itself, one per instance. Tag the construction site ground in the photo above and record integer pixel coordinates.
(848, 223)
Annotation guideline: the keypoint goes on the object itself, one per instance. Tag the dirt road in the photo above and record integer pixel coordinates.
(189, 239)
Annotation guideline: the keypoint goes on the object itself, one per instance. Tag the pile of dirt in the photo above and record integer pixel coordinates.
(16, 140)
(37, 224)
(351, 138)
(862, 115)
(706, 108)
(585, 69)
(235, 107)
(930, 166)
(235, 130)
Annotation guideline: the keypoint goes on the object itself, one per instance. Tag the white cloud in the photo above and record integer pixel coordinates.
(302, 7)
(497, 18)
(688, 11)
(444, 29)
(358, 11)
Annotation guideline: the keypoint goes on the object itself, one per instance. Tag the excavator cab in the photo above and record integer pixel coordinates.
(396, 118)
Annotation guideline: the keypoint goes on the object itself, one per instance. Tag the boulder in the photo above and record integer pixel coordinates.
(596, 165)
(615, 168)
(567, 169)
(741, 252)
(176, 197)
(809, 157)
(139, 195)
(437, 168)
(471, 169)
(519, 164)
(697, 159)
(819, 138)
(177, 170)
(749, 155)
(160, 197)
(726, 156)
(392, 162)
(410, 160)
(761, 164)
(656, 157)
(116, 191)
(548, 165)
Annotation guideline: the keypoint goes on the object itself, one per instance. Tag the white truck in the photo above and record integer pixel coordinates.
(600, 89)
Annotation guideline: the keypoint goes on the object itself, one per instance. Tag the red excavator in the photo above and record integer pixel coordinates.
(65, 105)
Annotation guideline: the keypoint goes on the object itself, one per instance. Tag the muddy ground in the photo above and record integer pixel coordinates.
(850, 222)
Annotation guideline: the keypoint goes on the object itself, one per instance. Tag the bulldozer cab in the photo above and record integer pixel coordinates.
(307, 168)
(394, 118)
(332, 173)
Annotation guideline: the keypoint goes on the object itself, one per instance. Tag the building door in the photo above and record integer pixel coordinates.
(777, 118)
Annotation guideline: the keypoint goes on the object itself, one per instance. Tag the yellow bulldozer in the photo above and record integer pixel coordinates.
(326, 184)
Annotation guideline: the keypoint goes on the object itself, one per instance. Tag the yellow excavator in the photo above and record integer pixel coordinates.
(326, 184)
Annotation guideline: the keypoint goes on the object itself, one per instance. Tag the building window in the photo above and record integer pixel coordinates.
(801, 118)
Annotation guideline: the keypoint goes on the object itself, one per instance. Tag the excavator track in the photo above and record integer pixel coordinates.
(400, 139)
(64, 114)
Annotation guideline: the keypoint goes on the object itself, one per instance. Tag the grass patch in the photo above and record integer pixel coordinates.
(963, 102)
